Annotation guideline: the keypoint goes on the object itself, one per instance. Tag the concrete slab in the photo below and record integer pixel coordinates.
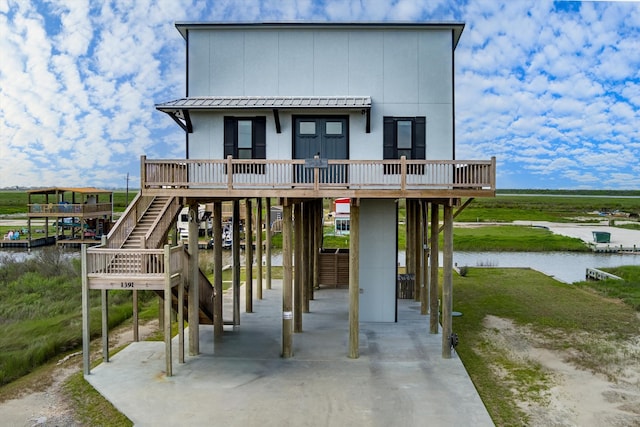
(399, 379)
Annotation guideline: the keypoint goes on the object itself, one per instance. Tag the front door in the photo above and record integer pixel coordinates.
(325, 137)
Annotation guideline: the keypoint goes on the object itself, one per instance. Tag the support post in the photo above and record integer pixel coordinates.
(136, 320)
(424, 288)
(354, 280)
(297, 268)
(433, 277)
(306, 291)
(417, 250)
(167, 310)
(235, 249)
(86, 327)
(105, 325)
(287, 282)
(259, 247)
(268, 243)
(218, 323)
(181, 319)
(447, 281)
(194, 285)
(317, 243)
(248, 259)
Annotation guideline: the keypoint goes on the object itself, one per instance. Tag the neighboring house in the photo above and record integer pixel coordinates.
(306, 111)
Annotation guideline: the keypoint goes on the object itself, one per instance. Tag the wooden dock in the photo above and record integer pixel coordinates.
(27, 244)
(595, 274)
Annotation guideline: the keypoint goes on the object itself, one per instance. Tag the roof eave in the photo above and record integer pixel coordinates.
(455, 27)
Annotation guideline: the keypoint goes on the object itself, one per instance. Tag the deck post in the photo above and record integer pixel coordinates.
(248, 258)
(287, 282)
(447, 281)
(424, 288)
(417, 249)
(218, 323)
(317, 242)
(259, 247)
(306, 265)
(167, 310)
(181, 318)
(136, 320)
(86, 327)
(433, 272)
(268, 243)
(354, 280)
(194, 286)
(105, 324)
(235, 249)
(297, 268)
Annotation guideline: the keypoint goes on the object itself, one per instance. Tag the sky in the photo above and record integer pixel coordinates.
(550, 88)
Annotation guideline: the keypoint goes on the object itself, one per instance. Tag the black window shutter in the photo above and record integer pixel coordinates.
(230, 129)
(259, 138)
(389, 140)
(419, 147)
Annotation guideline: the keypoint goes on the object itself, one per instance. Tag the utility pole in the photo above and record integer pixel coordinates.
(127, 204)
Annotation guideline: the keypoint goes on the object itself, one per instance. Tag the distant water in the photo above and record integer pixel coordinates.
(567, 267)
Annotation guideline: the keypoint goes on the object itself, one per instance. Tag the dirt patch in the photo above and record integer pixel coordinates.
(43, 402)
(560, 392)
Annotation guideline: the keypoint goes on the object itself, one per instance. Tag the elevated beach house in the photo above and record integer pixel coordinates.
(295, 113)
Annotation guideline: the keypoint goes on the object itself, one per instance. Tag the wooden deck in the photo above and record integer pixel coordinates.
(315, 178)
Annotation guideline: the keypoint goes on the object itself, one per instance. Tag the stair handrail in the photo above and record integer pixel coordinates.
(205, 287)
(161, 225)
(127, 222)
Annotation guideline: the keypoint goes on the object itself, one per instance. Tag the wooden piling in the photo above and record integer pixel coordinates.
(287, 281)
(433, 272)
(354, 280)
(194, 286)
(248, 254)
(235, 256)
(447, 281)
(298, 268)
(268, 244)
(259, 248)
(218, 323)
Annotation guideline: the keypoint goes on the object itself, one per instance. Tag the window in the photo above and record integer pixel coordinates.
(245, 138)
(404, 136)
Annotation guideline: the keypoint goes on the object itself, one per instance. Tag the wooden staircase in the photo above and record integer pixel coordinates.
(150, 222)
(144, 224)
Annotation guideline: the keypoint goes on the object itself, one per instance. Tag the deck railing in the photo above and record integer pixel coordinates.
(68, 209)
(144, 263)
(162, 223)
(402, 174)
(128, 221)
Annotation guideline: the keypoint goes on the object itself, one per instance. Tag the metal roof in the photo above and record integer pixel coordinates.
(81, 190)
(268, 102)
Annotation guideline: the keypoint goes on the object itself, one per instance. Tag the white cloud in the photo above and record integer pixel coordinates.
(553, 93)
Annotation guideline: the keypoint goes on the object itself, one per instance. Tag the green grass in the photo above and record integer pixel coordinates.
(513, 238)
(90, 408)
(626, 290)
(563, 314)
(15, 202)
(40, 311)
(544, 207)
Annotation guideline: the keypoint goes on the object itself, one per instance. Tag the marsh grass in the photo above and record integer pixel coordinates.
(40, 311)
(566, 316)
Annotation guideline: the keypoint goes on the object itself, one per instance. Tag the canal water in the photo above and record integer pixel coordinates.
(567, 267)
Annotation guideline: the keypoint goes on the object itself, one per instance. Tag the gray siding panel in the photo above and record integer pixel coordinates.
(226, 76)
(400, 67)
(331, 63)
(295, 63)
(435, 64)
(365, 64)
(261, 63)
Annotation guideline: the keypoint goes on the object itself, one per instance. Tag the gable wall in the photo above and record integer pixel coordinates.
(406, 73)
